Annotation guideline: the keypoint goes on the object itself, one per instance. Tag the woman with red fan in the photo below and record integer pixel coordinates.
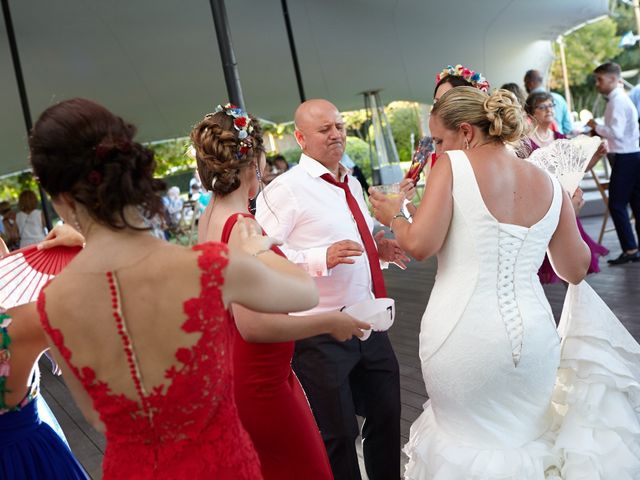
(539, 106)
(272, 405)
(31, 444)
(138, 325)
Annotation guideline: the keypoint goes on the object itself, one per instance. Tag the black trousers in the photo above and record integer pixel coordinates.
(624, 191)
(345, 379)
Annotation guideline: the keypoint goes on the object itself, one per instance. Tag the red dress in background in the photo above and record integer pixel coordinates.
(273, 407)
(188, 429)
(546, 272)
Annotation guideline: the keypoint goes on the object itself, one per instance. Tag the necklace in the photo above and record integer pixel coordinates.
(543, 140)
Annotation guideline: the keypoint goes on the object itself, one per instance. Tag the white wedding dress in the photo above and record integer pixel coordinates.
(511, 397)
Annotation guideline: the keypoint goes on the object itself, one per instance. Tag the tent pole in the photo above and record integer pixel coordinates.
(292, 48)
(229, 64)
(565, 73)
(24, 101)
(636, 11)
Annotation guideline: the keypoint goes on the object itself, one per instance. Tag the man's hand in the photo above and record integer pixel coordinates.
(592, 124)
(389, 251)
(342, 251)
(602, 150)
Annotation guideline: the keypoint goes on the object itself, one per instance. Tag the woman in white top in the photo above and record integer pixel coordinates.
(29, 219)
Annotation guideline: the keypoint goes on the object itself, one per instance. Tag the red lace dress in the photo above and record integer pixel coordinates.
(189, 429)
(274, 408)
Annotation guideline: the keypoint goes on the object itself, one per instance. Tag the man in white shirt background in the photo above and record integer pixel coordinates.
(621, 131)
(319, 212)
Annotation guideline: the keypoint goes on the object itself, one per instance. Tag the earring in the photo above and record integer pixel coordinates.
(258, 175)
(74, 221)
(466, 143)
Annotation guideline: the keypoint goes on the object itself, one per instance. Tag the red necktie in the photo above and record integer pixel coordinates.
(377, 279)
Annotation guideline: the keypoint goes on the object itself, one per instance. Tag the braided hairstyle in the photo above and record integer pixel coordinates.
(80, 148)
(217, 146)
(499, 115)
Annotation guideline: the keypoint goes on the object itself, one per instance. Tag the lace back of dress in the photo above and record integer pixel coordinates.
(509, 246)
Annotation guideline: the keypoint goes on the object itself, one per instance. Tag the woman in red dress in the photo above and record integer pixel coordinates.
(272, 405)
(139, 325)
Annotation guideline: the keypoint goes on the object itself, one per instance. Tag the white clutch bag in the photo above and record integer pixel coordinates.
(379, 312)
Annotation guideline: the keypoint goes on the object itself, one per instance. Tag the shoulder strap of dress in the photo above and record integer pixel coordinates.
(556, 202)
(55, 334)
(465, 188)
(229, 224)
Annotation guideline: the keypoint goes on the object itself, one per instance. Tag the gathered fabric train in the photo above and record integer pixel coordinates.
(511, 396)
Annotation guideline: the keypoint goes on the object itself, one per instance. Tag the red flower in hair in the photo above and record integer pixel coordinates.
(103, 151)
(94, 177)
(240, 122)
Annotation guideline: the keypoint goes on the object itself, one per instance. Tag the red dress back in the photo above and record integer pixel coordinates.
(274, 408)
(189, 428)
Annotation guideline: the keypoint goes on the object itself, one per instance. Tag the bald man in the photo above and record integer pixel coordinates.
(319, 212)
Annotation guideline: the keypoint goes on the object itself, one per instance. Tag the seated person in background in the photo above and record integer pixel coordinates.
(10, 234)
(276, 166)
(280, 163)
(355, 171)
(173, 206)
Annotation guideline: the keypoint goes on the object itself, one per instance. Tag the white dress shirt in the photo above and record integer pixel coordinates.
(620, 123)
(309, 215)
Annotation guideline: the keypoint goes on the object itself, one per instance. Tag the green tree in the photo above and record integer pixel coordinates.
(12, 185)
(171, 157)
(358, 151)
(356, 123)
(585, 49)
(404, 121)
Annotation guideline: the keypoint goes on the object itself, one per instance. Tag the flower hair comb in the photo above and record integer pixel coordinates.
(474, 78)
(241, 122)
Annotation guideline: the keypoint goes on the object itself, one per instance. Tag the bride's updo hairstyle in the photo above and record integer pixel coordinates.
(498, 115)
(80, 148)
(221, 153)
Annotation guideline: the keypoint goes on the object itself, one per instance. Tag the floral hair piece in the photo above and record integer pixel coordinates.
(474, 78)
(107, 147)
(241, 122)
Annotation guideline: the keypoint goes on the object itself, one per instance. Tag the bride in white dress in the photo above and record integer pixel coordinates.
(510, 396)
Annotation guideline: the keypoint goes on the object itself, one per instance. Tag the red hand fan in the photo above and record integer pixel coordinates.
(24, 272)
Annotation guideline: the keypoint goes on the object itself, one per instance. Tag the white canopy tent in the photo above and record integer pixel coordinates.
(156, 62)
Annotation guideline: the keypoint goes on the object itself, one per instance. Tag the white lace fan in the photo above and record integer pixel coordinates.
(567, 159)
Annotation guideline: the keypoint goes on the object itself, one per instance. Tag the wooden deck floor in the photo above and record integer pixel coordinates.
(619, 286)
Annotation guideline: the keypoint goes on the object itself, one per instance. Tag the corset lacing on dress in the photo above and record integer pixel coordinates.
(508, 249)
